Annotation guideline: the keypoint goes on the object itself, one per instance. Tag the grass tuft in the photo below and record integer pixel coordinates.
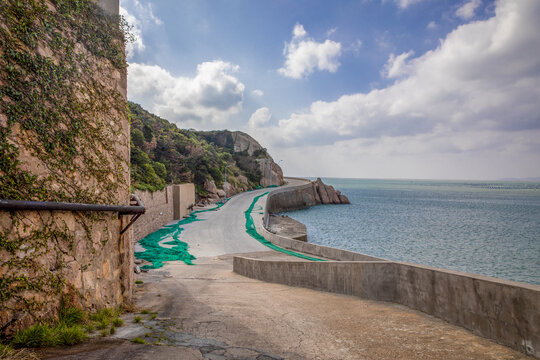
(71, 335)
(137, 319)
(71, 328)
(71, 316)
(7, 352)
(138, 340)
(39, 335)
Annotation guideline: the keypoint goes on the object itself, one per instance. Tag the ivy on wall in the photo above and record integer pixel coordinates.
(61, 65)
(52, 103)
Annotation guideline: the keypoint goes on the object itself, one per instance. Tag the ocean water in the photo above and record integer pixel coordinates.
(487, 228)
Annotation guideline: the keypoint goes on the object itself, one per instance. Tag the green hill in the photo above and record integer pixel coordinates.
(162, 154)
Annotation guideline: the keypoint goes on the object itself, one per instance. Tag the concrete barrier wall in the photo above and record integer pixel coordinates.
(504, 311)
(291, 198)
(311, 249)
(162, 207)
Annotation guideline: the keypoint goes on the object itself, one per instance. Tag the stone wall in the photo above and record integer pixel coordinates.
(64, 136)
(162, 207)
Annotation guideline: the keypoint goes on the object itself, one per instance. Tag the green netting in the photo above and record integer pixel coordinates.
(252, 231)
(156, 254)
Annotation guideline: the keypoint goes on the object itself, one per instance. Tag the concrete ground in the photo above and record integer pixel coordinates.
(206, 311)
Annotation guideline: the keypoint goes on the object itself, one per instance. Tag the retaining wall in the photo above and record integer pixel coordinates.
(505, 311)
(162, 207)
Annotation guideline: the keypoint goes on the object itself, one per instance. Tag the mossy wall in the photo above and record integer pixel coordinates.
(64, 136)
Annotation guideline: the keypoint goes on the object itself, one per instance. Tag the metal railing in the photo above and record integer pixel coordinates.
(136, 207)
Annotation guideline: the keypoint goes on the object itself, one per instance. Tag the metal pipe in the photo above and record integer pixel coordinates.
(63, 206)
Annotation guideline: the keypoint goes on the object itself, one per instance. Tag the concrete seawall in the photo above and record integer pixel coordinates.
(504, 311)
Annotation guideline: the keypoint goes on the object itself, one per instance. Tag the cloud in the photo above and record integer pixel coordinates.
(257, 92)
(477, 90)
(355, 47)
(397, 66)
(304, 55)
(201, 102)
(467, 10)
(259, 118)
(403, 4)
(139, 16)
(432, 25)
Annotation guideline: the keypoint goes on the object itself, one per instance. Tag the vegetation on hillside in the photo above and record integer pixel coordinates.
(162, 154)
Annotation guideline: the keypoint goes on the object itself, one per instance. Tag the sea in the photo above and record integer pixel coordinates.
(484, 227)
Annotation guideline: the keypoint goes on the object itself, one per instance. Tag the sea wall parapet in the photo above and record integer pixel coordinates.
(504, 311)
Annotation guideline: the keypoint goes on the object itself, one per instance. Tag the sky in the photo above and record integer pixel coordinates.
(415, 89)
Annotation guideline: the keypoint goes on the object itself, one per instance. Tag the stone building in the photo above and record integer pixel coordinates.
(64, 137)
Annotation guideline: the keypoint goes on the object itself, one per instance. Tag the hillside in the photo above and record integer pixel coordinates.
(161, 154)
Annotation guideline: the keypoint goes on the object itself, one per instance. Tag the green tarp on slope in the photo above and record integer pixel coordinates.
(156, 254)
(252, 231)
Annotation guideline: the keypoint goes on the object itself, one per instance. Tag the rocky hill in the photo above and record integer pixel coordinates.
(161, 154)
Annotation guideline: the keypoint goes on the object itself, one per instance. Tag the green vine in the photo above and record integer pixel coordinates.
(62, 116)
(54, 105)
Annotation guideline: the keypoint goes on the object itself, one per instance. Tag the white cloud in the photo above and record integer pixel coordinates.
(139, 16)
(467, 10)
(331, 31)
(204, 101)
(406, 3)
(477, 92)
(304, 55)
(259, 118)
(397, 66)
(257, 92)
(432, 25)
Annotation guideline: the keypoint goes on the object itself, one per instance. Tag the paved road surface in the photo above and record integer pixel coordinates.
(206, 311)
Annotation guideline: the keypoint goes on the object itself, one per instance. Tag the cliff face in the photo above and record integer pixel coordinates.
(161, 154)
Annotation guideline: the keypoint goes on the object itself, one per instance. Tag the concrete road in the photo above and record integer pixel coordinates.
(223, 231)
(206, 311)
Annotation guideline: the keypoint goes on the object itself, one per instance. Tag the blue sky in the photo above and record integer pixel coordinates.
(367, 89)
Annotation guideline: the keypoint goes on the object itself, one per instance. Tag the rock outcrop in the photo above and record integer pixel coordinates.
(327, 194)
(300, 197)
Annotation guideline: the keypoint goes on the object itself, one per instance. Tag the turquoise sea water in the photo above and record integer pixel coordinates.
(488, 228)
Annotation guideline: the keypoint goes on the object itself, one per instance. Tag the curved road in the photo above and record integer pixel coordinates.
(208, 312)
(224, 231)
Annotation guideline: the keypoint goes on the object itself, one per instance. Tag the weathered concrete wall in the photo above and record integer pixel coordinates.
(303, 196)
(291, 198)
(504, 311)
(288, 227)
(186, 200)
(162, 207)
